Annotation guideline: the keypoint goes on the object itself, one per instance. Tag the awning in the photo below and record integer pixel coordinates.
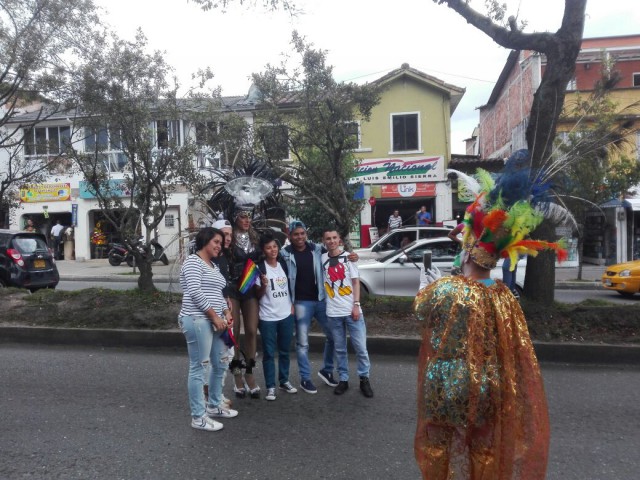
(634, 203)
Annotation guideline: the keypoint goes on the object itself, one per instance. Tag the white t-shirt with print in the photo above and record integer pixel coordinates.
(338, 272)
(275, 304)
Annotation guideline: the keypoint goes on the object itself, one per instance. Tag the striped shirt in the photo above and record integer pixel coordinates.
(202, 285)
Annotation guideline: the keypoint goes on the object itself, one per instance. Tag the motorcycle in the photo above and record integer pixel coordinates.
(120, 253)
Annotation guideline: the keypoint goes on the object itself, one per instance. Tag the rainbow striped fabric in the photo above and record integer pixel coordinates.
(249, 276)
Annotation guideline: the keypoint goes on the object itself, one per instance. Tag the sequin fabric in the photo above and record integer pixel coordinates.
(482, 412)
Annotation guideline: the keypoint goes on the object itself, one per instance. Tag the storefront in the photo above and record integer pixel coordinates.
(403, 184)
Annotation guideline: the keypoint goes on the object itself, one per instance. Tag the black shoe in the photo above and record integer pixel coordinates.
(341, 388)
(365, 387)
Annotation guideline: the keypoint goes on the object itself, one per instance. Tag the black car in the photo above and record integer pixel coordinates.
(26, 261)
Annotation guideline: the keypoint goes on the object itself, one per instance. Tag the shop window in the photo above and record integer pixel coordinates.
(405, 132)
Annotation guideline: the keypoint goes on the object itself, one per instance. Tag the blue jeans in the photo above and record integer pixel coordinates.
(276, 334)
(305, 311)
(205, 350)
(358, 333)
(508, 277)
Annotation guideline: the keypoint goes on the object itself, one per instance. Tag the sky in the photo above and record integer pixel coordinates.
(364, 39)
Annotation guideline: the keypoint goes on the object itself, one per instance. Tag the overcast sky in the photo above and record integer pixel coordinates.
(365, 39)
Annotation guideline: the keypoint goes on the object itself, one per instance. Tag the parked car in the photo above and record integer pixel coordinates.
(398, 273)
(26, 261)
(390, 241)
(623, 278)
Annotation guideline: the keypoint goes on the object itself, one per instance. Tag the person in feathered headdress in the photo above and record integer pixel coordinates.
(482, 412)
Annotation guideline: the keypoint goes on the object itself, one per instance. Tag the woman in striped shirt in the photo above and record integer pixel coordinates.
(204, 316)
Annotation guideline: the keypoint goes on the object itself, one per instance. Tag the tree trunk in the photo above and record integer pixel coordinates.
(540, 278)
(145, 280)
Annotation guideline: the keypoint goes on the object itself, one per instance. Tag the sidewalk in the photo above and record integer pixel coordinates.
(100, 270)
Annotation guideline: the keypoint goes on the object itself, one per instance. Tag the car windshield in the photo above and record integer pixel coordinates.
(29, 245)
(395, 252)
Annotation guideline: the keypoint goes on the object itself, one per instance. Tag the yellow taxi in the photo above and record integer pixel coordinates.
(624, 278)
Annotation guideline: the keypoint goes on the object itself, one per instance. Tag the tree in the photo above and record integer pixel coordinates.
(561, 49)
(129, 106)
(311, 116)
(597, 167)
(36, 39)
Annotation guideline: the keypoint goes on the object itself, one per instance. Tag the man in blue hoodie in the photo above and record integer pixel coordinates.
(303, 260)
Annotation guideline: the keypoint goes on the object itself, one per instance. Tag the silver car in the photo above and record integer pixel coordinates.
(392, 240)
(398, 273)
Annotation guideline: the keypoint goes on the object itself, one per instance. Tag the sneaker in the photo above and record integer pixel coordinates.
(308, 386)
(287, 387)
(206, 423)
(327, 377)
(342, 387)
(226, 403)
(221, 412)
(271, 394)
(365, 387)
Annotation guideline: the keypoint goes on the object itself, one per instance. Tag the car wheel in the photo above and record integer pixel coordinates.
(364, 293)
(626, 294)
(131, 261)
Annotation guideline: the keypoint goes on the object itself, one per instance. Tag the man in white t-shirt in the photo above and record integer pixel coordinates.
(341, 281)
(56, 238)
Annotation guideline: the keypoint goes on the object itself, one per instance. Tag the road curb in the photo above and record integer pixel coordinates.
(547, 352)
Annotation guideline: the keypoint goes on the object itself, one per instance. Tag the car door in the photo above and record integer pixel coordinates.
(402, 277)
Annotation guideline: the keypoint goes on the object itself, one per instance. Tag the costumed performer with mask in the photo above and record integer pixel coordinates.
(482, 412)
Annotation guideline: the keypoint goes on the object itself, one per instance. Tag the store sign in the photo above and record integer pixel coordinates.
(408, 190)
(45, 192)
(115, 188)
(400, 170)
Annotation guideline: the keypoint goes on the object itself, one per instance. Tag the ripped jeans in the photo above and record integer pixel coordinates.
(206, 355)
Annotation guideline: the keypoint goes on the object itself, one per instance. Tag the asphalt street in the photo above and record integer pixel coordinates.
(83, 413)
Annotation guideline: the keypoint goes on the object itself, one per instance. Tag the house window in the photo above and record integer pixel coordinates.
(353, 135)
(405, 132)
(167, 133)
(636, 79)
(571, 84)
(169, 221)
(46, 140)
(109, 145)
(206, 133)
(275, 140)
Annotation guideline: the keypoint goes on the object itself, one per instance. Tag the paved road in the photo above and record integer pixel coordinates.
(565, 296)
(76, 413)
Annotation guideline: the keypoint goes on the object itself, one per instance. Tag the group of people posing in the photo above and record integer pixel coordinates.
(293, 285)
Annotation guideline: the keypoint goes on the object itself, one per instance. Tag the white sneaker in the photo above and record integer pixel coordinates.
(287, 387)
(221, 412)
(271, 394)
(206, 423)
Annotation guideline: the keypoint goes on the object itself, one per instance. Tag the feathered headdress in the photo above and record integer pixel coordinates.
(498, 222)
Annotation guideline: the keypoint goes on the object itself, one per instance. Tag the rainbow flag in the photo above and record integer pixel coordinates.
(249, 276)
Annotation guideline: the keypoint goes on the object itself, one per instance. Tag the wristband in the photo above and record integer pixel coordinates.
(356, 303)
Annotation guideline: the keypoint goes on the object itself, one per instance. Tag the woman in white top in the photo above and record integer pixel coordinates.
(276, 322)
(204, 316)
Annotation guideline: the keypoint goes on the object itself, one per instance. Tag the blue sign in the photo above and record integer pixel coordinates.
(74, 214)
(117, 188)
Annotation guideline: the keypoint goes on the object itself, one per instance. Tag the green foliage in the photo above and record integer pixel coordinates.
(37, 38)
(129, 104)
(319, 114)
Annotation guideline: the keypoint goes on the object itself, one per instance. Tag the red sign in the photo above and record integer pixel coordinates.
(372, 201)
(399, 190)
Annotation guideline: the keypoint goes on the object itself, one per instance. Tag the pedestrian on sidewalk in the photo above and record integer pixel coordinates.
(276, 322)
(203, 318)
(344, 314)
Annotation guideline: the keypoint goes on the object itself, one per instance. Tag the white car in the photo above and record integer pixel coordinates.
(392, 240)
(398, 273)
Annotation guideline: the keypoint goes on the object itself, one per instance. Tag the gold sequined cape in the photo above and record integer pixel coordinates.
(482, 412)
